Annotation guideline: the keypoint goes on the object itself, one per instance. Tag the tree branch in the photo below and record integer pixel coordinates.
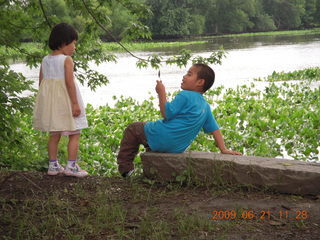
(21, 50)
(44, 14)
(108, 32)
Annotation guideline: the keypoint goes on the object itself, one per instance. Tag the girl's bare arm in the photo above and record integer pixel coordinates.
(68, 65)
(40, 76)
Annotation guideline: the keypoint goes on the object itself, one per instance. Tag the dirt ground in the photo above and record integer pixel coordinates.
(218, 213)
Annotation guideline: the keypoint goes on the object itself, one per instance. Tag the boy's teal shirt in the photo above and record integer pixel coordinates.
(186, 115)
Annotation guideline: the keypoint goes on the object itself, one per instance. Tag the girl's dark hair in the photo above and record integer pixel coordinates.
(62, 34)
(205, 72)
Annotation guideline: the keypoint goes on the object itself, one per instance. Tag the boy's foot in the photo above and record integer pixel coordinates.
(55, 169)
(127, 174)
(75, 171)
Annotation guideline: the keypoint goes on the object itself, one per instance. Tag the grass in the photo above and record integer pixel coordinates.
(78, 210)
(273, 33)
(145, 46)
(57, 217)
(113, 208)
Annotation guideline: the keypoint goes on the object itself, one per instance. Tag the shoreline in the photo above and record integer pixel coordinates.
(114, 47)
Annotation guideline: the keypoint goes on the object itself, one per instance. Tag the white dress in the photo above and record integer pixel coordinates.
(52, 111)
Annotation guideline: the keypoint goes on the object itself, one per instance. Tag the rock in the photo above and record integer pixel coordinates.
(283, 175)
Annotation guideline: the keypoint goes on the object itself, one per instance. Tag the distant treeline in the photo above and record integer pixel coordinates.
(193, 17)
(180, 18)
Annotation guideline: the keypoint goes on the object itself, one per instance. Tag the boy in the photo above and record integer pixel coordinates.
(183, 118)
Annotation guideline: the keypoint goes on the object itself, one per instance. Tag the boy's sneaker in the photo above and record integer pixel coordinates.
(55, 169)
(75, 171)
(127, 174)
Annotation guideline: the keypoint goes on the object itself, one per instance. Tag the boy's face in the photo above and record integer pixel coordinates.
(191, 82)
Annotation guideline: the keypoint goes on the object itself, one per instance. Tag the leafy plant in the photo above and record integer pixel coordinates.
(281, 121)
(13, 106)
(309, 73)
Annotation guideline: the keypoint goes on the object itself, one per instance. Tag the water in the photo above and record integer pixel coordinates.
(246, 59)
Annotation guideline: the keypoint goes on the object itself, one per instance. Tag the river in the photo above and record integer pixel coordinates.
(247, 58)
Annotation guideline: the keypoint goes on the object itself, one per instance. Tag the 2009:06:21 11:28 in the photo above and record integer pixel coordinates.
(263, 214)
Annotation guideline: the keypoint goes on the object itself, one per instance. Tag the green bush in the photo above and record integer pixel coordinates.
(16, 109)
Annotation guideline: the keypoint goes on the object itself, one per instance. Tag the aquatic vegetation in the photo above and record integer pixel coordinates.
(282, 120)
(308, 73)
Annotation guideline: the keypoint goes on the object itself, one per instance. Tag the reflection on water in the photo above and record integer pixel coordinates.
(252, 57)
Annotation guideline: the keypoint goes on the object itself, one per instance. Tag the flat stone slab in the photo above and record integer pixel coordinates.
(282, 175)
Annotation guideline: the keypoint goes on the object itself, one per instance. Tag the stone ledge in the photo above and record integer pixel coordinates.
(286, 176)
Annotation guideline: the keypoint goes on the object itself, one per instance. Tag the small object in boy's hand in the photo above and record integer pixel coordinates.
(159, 74)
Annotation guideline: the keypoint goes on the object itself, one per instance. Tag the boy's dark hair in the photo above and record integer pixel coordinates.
(62, 34)
(205, 72)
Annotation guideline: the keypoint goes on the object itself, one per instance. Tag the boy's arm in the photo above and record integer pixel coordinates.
(220, 143)
(161, 90)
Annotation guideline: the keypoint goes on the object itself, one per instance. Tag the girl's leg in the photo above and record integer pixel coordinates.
(53, 146)
(54, 167)
(72, 168)
(73, 146)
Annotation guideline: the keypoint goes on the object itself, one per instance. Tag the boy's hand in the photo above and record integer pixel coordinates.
(160, 88)
(220, 143)
(227, 151)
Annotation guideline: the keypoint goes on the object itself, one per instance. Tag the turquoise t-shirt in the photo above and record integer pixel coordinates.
(186, 115)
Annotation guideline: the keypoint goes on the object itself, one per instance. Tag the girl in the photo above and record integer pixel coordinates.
(59, 108)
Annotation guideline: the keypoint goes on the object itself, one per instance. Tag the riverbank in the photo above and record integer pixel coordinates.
(186, 41)
(273, 33)
(183, 42)
(34, 205)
